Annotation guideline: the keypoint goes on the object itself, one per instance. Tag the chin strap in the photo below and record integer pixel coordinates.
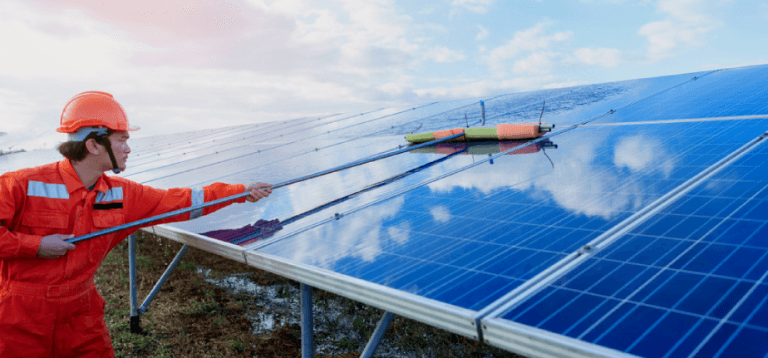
(103, 138)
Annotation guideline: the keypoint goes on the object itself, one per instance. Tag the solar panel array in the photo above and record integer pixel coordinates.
(689, 281)
(570, 245)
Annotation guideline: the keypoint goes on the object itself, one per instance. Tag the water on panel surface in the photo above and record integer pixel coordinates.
(471, 237)
(689, 281)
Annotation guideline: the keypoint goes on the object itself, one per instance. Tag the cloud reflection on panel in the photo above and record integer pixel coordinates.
(364, 234)
(367, 233)
(585, 179)
(637, 153)
(317, 199)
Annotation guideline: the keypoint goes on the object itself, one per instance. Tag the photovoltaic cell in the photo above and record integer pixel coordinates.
(470, 238)
(691, 281)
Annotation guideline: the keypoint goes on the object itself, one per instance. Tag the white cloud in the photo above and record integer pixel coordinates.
(638, 153)
(524, 49)
(536, 63)
(604, 57)
(444, 55)
(687, 24)
(483, 34)
(267, 60)
(440, 214)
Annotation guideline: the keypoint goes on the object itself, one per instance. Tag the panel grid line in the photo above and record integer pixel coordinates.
(652, 278)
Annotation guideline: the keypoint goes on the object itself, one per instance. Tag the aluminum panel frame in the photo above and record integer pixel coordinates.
(221, 248)
(434, 313)
(535, 342)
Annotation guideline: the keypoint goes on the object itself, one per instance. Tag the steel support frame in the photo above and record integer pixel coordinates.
(136, 310)
(307, 327)
(307, 323)
(377, 335)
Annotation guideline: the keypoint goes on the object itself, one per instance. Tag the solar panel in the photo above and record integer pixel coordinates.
(469, 238)
(691, 281)
(737, 92)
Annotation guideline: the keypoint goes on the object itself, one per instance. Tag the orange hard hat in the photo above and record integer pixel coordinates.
(93, 109)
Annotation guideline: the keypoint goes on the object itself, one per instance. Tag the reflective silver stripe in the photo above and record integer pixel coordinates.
(45, 190)
(111, 195)
(198, 197)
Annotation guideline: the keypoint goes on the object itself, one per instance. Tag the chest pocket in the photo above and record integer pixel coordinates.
(107, 212)
(41, 222)
(108, 209)
(104, 219)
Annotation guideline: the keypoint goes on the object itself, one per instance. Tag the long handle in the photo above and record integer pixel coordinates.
(244, 194)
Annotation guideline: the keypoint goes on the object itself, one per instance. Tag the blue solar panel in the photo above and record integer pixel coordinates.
(689, 281)
(470, 238)
(736, 92)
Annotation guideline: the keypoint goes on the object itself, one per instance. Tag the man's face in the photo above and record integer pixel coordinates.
(120, 148)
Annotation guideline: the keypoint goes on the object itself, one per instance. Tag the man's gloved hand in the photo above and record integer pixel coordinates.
(54, 246)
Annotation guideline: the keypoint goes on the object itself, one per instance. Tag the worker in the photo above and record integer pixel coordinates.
(49, 305)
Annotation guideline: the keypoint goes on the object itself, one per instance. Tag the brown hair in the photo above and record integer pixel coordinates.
(75, 150)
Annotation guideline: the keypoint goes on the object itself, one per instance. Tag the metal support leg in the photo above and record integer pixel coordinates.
(377, 335)
(135, 317)
(163, 278)
(307, 323)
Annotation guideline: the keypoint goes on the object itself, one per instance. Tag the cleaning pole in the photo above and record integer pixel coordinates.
(142, 222)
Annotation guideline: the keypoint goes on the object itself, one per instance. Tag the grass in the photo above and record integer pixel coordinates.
(192, 317)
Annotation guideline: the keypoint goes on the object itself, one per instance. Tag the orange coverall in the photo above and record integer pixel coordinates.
(50, 307)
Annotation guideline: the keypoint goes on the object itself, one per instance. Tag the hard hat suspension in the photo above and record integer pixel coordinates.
(102, 137)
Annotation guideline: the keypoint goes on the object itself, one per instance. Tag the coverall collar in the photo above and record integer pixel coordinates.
(73, 182)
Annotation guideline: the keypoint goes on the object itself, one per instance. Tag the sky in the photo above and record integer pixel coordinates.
(180, 65)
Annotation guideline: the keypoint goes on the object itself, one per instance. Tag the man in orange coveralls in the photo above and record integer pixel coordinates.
(49, 305)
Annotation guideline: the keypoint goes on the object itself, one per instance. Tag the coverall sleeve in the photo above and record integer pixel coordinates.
(14, 245)
(145, 201)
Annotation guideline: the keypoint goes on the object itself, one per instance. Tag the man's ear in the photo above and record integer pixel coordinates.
(93, 147)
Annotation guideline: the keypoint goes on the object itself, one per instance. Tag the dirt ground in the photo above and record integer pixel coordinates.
(196, 314)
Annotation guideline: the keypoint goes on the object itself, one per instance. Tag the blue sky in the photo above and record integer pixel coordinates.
(182, 65)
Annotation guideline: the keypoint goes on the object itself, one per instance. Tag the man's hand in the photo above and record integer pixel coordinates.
(258, 191)
(53, 246)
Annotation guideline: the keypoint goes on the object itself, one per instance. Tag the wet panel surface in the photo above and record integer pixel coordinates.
(471, 237)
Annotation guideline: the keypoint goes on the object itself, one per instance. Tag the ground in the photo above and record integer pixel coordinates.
(216, 307)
